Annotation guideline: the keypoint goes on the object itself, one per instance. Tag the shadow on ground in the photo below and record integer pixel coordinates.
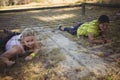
(44, 66)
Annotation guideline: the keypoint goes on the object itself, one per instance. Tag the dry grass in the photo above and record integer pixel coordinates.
(46, 65)
(43, 66)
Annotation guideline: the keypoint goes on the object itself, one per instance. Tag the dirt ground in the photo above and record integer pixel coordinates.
(46, 66)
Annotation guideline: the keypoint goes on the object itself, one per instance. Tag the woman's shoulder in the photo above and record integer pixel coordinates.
(94, 21)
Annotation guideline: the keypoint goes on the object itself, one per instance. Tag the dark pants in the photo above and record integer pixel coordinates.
(3, 41)
(72, 30)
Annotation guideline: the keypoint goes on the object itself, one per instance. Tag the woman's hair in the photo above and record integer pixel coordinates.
(27, 32)
(103, 19)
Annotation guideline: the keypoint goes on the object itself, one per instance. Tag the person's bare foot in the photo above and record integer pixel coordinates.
(10, 63)
(7, 31)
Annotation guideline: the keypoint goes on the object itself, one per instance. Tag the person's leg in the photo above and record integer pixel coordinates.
(77, 26)
(70, 30)
(5, 58)
(9, 32)
(7, 61)
(73, 30)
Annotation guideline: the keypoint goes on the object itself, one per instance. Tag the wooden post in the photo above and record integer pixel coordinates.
(83, 9)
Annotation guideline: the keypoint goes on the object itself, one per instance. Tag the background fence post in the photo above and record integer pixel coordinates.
(83, 9)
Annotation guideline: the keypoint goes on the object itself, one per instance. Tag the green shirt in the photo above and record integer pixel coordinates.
(88, 28)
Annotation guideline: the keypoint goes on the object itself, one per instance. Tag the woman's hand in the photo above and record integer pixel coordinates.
(28, 58)
(107, 41)
(10, 63)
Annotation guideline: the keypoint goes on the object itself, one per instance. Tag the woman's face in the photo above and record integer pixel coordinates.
(29, 41)
(103, 26)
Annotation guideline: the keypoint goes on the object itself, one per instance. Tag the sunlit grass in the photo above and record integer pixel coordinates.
(36, 70)
(53, 18)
